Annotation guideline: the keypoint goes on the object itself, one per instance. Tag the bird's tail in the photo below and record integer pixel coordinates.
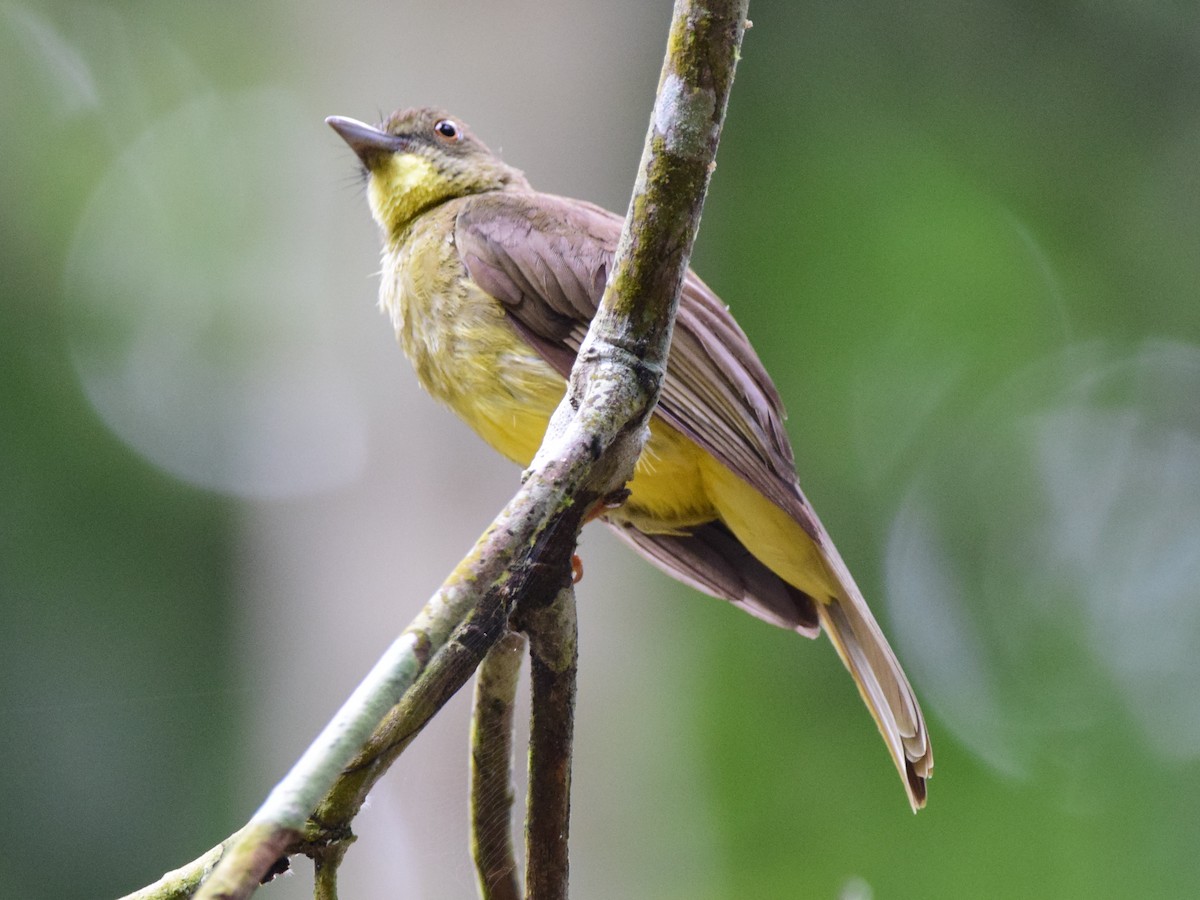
(881, 682)
(789, 540)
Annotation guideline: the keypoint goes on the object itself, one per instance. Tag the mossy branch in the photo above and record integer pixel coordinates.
(491, 770)
(554, 659)
(589, 452)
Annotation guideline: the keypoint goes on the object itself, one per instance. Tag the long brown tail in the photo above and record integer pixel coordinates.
(881, 682)
(711, 559)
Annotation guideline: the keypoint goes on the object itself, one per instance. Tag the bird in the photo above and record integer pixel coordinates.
(490, 286)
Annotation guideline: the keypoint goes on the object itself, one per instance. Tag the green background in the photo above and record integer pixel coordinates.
(965, 238)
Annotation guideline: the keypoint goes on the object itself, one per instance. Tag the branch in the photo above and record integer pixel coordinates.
(355, 748)
(491, 770)
(554, 658)
(621, 363)
(325, 869)
(591, 446)
(184, 881)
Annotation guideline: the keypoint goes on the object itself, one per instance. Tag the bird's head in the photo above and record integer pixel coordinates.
(418, 158)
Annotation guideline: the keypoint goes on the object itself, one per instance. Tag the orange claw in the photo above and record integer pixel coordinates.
(598, 509)
(604, 504)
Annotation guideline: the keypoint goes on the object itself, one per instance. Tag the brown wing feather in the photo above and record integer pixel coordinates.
(712, 560)
(547, 263)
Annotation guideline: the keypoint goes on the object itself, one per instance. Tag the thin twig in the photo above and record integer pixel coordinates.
(325, 869)
(554, 659)
(491, 770)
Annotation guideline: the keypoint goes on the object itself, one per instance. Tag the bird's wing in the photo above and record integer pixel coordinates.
(547, 261)
(710, 559)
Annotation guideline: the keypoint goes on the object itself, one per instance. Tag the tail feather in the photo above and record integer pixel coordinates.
(788, 572)
(883, 685)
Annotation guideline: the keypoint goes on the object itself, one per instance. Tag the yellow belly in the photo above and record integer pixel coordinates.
(675, 485)
(667, 492)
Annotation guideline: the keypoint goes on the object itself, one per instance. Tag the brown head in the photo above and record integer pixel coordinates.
(418, 158)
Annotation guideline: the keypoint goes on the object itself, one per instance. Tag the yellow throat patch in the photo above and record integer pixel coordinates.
(401, 186)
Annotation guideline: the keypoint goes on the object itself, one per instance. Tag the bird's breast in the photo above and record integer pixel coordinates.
(465, 353)
(468, 356)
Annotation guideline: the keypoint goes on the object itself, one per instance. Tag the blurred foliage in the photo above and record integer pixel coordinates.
(964, 237)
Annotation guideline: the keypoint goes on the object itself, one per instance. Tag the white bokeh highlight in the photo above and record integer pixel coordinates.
(1043, 615)
(206, 359)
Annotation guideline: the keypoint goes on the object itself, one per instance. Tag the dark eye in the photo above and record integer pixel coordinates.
(448, 130)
